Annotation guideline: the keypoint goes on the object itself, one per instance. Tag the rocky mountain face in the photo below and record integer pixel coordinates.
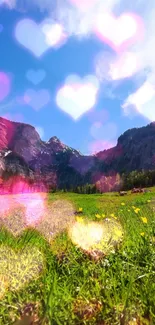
(23, 153)
(135, 150)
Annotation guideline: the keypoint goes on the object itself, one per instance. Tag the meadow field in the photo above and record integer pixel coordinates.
(91, 261)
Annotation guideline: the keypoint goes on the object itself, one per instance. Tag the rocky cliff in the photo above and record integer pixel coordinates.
(22, 152)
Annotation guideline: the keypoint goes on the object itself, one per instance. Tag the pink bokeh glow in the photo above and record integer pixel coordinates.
(4, 204)
(34, 204)
(100, 145)
(83, 5)
(98, 115)
(37, 99)
(14, 117)
(31, 197)
(5, 85)
(121, 32)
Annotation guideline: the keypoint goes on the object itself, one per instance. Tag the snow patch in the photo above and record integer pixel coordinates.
(6, 153)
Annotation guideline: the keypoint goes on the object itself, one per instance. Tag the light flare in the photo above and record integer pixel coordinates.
(77, 96)
(119, 32)
(90, 236)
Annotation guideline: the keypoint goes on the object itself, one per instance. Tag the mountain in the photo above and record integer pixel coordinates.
(135, 150)
(23, 153)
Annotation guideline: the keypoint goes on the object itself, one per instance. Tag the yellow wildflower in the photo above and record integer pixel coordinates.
(128, 210)
(148, 201)
(122, 203)
(118, 232)
(142, 234)
(113, 216)
(144, 219)
(79, 219)
(103, 215)
(97, 216)
(137, 210)
(80, 210)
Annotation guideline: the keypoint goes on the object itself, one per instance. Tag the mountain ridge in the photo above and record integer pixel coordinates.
(22, 152)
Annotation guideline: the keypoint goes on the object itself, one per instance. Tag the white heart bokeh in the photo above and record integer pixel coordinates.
(54, 34)
(118, 32)
(77, 95)
(38, 38)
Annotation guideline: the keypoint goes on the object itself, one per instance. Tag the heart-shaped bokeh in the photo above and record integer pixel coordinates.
(119, 32)
(54, 34)
(59, 215)
(91, 236)
(26, 32)
(34, 36)
(18, 268)
(32, 210)
(77, 96)
(36, 76)
(17, 211)
(104, 132)
(37, 99)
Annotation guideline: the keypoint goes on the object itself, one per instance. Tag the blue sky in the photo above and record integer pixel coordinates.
(82, 52)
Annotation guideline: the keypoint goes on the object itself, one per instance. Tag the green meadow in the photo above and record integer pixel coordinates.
(55, 280)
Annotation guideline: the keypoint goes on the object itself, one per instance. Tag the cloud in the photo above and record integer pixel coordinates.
(75, 21)
(145, 50)
(125, 66)
(143, 100)
(43, 5)
(110, 67)
(138, 62)
(9, 3)
(50, 5)
(80, 23)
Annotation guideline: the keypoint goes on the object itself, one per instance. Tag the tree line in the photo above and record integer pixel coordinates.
(114, 183)
(106, 183)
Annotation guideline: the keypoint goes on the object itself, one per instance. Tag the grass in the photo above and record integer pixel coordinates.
(44, 274)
